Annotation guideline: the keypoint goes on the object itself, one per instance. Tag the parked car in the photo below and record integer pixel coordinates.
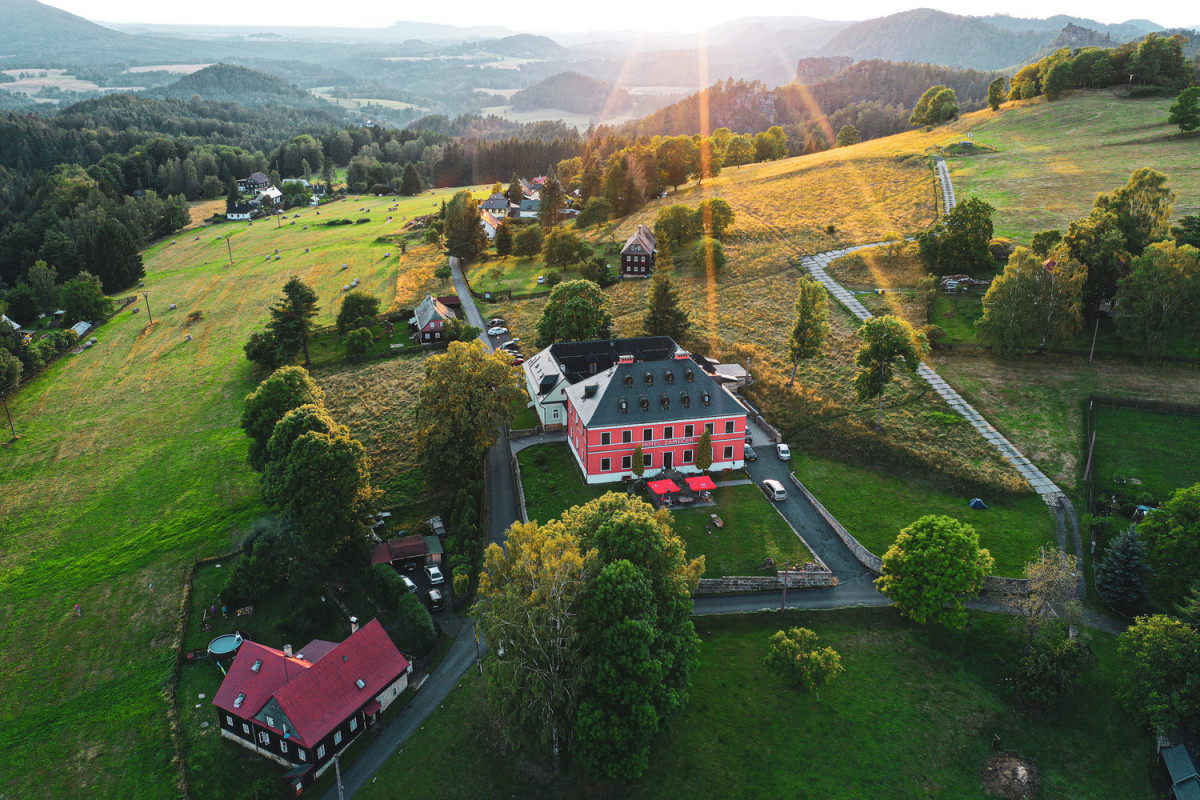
(518, 361)
(511, 345)
(774, 490)
(435, 574)
(436, 601)
(749, 437)
(541, 279)
(750, 454)
(409, 586)
(495, 321)
(497, 331)
(785, 453)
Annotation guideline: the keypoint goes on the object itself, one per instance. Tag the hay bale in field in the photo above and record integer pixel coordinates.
(187, 337)
(173, 306)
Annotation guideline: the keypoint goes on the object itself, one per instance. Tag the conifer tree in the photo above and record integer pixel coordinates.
(665, 317)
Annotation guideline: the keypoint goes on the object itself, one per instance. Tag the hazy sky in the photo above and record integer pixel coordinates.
(543, 16)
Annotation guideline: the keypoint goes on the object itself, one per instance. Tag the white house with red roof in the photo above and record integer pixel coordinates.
(303, 709)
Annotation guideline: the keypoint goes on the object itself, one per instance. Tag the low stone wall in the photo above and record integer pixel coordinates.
(516, 469)
(994, 584)
(796, 579)
(522, 433)
(864, 556)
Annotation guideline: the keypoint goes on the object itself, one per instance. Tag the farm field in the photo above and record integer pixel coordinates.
(1038, 402)
(913, 716)
(875, 506)
(1141, 452)
(1051, 159)
(130, 462)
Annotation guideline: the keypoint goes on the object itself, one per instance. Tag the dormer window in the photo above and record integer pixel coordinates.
(628, 381)
(623, 405)
(649, 378)
(669, 376)
(257, 666)
(665, 401)
(685, 399)
(704, 398)
(645, 403)
(241, 698)
(360, 684)
(688, 376)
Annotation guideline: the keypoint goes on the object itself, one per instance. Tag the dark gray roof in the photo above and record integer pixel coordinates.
(258, 177)
(242, 208)
(1185, 778)
(651, 392)
(575, 359)
(497, 202)
(429, 310)
(642, 240)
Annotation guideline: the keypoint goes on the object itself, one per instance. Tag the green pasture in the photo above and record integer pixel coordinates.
(131, 462)
(875, 506)
(1140, 452)
(913, 716)
(1049, 160)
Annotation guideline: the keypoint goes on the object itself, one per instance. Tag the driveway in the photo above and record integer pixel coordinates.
(798, 511)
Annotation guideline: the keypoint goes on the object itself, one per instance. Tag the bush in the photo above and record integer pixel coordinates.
(416, 631)
(553, 278)
(194, 317)
(361, 220)
(333, 222)
(358, 344)
(387, 584)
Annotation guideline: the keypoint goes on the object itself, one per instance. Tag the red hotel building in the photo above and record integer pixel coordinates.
(629, 392)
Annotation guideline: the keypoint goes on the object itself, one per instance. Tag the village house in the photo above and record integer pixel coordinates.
(241, 212)
(637, 256)
(497, 205)
(530, 205)
(429, 320)
(408, 551)
(303, 709)
(269, 196)
(252, 184)
(490, 224)
(616, 395)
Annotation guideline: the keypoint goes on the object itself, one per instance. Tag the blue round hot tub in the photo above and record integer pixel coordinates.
(225, 645)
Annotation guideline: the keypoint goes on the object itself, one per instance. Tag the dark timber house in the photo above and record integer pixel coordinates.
(637, 256)
(302, 710)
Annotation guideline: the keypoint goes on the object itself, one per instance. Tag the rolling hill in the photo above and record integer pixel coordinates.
(229, 83)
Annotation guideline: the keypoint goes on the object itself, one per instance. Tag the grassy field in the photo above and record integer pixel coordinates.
(1038, 401)
(519, 275)
(131, 461)
(753, 531)
(912, 717)
(552, 482)
(1051, 159)
(875, 506)
(1160, 451)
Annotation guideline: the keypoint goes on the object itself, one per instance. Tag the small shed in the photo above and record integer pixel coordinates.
(1182, 775)
(408, 552)
(81, 328)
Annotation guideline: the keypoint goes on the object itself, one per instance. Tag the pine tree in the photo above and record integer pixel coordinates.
(1121, 576)
(704, 451)
(410, 182)
(232, 195)
(665, 317)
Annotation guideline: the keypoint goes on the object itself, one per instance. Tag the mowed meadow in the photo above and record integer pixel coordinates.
(130, 463)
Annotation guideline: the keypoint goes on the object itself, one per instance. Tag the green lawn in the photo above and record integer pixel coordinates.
(753, 530)
(875, 506)
(518, 275)
(1161, 451)
(130, 462)
(552, 482)
(524, 417)
(912, 717)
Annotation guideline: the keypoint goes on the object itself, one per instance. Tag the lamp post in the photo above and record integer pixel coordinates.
(787, 567)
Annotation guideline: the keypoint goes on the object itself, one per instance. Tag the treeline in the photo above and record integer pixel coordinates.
(573, 92)
(874, 96)
(1151, 66)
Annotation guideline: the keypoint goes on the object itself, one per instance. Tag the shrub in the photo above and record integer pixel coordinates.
(194, 317)
(361, 220)
(416, 631)
(333, 222)
(387, 584)
(358, 344)
(553, 278)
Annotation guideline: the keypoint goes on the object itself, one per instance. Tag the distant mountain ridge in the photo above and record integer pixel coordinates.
(229, 83)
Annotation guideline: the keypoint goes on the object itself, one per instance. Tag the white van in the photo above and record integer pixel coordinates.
(774, 490)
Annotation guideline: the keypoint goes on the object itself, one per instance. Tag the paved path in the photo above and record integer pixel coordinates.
(943, 173)
(538, 438)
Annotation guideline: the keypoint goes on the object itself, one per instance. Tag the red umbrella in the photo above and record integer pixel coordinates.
(701, 483)
(663, 487)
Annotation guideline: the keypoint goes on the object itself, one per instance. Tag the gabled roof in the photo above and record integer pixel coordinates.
(258, 177)
(489, 219)
(430, 310)
(242, 208)
(1185, 778)
(404, 547)
(641, 241)
(651, 393)
(324, 695)
(271, 192)
(257, 686)
(314, 694)
(497, 202)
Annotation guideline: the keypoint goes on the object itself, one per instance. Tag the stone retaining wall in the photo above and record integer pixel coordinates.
(796, 579)
(864, 556)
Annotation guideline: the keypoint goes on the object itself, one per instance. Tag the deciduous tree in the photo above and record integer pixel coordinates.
(576, 311)
(1033, 304)
(675, 227)
(847, 135)
(1160, 659)
(1160, 298)
(714, 217)
(959, 241)
(504, 239)
(465, 238)
(358, 344)
(794, 654)
(466, 398)
(996, 93)
(528, 241)
(562, 249)
(1142, 207)
(1185, 111)
(740, 150)
(639, 461)
(1098, 243)
(42, 279)
(358, 310)
(931, 565)
(286, 388)
(885, 340)
(1050, 592)
(810, 324)
(291, 426)
(708, 257)
(1172, 538)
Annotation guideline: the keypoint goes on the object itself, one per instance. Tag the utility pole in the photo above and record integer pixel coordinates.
(478, 659)
(151, 316)
(14, 429)
(786, 569)
(337, 768)
(229, 247)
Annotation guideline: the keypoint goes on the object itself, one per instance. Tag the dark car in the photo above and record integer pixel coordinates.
(749, 437)
(750, 454)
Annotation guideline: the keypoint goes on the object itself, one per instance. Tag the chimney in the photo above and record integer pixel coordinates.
(353, 625)
(287, 650)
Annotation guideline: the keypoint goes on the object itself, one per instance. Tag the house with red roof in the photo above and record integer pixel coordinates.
(302, 709)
